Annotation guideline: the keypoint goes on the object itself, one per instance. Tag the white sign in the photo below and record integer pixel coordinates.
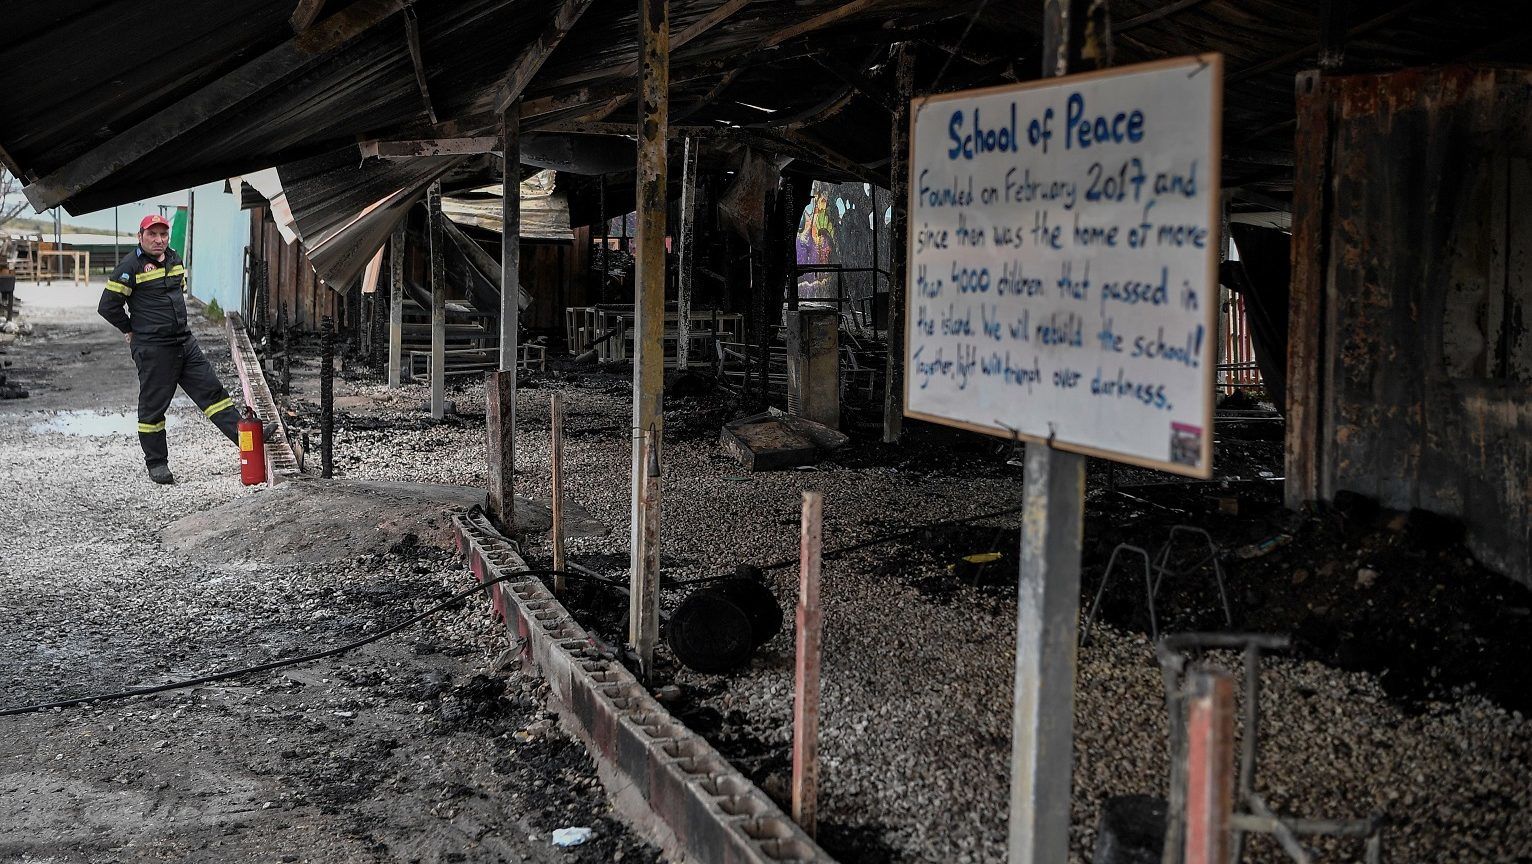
(1063, 262)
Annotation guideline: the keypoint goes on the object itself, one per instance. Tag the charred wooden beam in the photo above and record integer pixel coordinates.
(1153, 15)
(899, 183)
(1258, 198)
(717, 16)
(533, 57)
(482, 261)
(714, 92)
(574, 99)
(1246, 156)
(9, 163)
(412, 36)
(1303, 452)
(305, 13)
(396, 303)
(721, 13)
(603, 127)
(1291, 57)
(858, 81)
(224, 94)
(826, 109)
(500, 386)
(802, 145)
(819, 22)
(411, 149)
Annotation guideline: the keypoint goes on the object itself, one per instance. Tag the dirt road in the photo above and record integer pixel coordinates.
(416, 748)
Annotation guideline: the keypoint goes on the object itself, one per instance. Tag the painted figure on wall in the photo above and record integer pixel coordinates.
(839, 227)
(816, 239)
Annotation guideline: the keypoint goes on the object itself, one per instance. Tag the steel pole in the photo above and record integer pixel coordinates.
(1047, 607)
(438, 304)
(396, 304)
(685, 259)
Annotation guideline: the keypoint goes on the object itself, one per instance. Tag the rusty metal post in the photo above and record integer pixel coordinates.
(396, 303)
(510, 241)
(606, 239)
(646, 606)
(1048, 594)
(649, 336)
(500, 386)
(1209, 766)
(805, 788)
(1248, 742)
(1047, 624)
(326, 397)
(685, 258)
(556, 421)
(438, 304)
(899, 193)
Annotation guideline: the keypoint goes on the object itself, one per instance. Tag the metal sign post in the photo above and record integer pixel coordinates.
(1047, 621)
(1061, 290)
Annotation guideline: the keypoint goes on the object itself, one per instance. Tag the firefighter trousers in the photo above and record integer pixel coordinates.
(161, 368)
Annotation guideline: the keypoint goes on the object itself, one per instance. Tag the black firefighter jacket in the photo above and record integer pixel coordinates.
(152, 292)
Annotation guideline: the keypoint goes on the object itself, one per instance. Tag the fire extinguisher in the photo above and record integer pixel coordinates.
(252, 449)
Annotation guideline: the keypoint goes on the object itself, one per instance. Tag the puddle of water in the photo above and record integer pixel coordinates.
(93, 423)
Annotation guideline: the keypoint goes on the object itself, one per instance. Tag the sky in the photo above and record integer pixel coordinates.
(101, 220)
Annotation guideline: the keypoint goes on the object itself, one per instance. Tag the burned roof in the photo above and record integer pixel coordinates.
(104, 104)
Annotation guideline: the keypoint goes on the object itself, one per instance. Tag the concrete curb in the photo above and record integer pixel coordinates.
(715, 814)
(281, 462)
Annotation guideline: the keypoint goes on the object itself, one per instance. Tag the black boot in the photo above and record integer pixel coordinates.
(161, 475)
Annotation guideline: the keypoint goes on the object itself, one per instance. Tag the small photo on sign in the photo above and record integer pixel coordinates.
(1186, 444)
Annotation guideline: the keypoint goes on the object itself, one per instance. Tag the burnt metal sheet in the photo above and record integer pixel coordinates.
(1423, 391)
(760, 64)
(544, 209)
(344, 210)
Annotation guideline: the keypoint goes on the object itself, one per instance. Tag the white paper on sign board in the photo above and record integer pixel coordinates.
(1063, 255)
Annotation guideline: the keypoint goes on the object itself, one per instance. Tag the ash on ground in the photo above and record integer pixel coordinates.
(1403, 697)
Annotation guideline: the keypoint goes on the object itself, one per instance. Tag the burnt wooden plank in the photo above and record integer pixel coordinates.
(533, 58)
(412, 38)
(222, 95)
(899, 193)
(1304, 347)
(305, 13)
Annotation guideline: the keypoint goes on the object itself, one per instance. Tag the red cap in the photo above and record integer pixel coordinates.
(153, 220)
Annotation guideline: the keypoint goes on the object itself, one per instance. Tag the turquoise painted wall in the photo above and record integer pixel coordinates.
(220, 231)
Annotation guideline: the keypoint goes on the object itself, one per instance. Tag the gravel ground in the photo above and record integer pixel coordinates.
(915, 766)
(421, 747)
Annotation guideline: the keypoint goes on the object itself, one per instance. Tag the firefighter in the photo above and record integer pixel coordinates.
(150, 283)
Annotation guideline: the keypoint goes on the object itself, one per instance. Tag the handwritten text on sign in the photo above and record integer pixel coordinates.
(1062, 267)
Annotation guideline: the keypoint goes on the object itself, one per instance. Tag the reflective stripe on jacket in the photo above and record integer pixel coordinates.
(146, 297)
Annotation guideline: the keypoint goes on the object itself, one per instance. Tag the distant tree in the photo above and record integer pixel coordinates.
(10, 188)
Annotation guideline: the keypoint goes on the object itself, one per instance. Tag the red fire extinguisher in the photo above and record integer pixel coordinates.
(252, 449)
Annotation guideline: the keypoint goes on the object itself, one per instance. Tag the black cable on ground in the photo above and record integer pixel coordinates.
(587, 576)
(293, 661)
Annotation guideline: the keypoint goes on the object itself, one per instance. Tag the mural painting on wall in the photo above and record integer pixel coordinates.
(837, 230)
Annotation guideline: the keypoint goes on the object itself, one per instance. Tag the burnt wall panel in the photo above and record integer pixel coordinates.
(1426, 398)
